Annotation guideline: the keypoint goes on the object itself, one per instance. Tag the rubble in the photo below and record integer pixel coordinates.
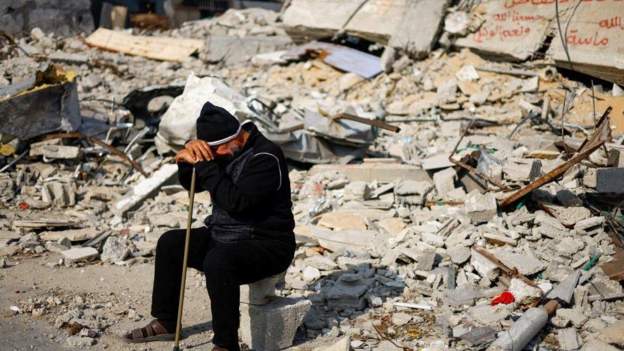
(440, 198)
(78, 254)
(54, 92)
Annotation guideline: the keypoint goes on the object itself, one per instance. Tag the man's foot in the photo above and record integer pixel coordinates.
(154, 331)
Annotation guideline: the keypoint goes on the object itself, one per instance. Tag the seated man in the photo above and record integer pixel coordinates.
(248, 237)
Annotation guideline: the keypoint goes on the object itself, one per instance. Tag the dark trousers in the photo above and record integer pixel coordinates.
(226, 266)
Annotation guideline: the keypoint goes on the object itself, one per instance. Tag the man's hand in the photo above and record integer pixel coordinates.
(200, 150)
(185, 156)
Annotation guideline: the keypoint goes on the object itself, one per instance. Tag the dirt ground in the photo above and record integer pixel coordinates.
(117, 288)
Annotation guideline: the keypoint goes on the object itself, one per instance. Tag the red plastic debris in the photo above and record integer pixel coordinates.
(23, 206)
(505, 298)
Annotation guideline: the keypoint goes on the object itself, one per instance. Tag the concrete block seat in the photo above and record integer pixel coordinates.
(269, 322)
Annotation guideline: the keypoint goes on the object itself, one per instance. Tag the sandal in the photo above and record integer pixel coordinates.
(154, 331)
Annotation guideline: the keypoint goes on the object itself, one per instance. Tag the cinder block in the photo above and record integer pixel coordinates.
(610, 180)
(261, 292)
(272, 326)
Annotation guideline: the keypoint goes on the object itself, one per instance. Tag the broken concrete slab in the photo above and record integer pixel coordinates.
(145, 188)
(54, 152)
(72, 235)
(568, 339)
(408, 187)
(116, 249)
(594, 344)
(320, 262)
(526, 263)
(444, 182)
(303, 20)
(480, 207)
(42, 223)
(459, 254)
(437, 161)
(522, 170)
(348, 292)
(78, 254)
(483, 266)
(272, 326)
(510, 30)
(7, 237)
(479, 336)
(358, 240)
(343, 221)
(613, 334)
(368, 172)
(574, 315)
(344, 344)
(391, 23)
(489, 315)
(425, 261)
(565, 290)
(593, 41)
(409, 25)
(51, 105)
(392, 226)
(590, 226)
(233, 50)
(610, 180)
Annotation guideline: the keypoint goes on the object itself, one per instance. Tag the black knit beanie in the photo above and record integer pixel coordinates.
(216, 126)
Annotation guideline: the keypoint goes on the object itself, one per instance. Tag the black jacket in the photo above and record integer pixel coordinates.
(250, 194)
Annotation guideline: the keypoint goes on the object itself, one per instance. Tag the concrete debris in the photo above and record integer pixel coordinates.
(459, 254)
(610, 180)
(613, 334)
(344, 344)
(480, 207)
(369, 20)
(573, 315)
(116, 249)
(73, 235)
(568, 339)
(78, 254)
(80, 341)
(145, 188)
(55, 95)
(58, 152)
(272, 326)
(565, 290)
(430, 186)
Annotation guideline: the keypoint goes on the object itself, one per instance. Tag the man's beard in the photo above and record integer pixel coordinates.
(226, 160)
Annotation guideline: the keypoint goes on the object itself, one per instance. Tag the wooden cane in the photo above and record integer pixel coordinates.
(187, 239)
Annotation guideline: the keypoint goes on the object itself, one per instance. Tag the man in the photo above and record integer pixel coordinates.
(248, 237)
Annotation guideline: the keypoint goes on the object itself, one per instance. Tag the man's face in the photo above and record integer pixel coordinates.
(227, 152)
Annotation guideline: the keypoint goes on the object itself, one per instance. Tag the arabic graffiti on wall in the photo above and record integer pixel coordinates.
(514, 3)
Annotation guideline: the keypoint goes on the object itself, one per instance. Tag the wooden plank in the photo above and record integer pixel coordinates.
(157, 48)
